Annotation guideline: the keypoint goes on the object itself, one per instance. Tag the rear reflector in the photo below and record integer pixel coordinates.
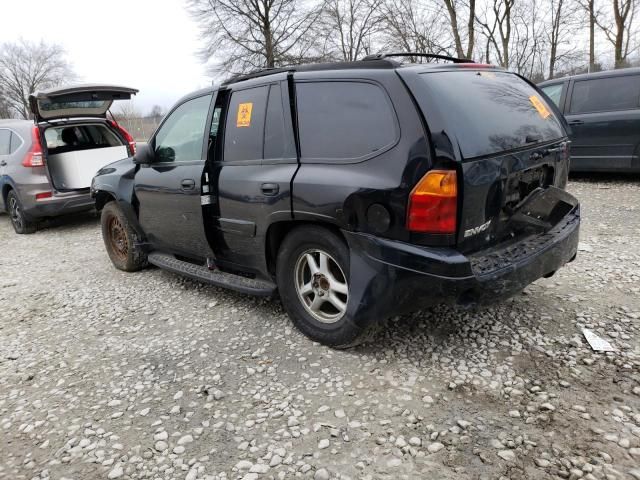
(127, 136)
(34, 157)
(40, 196)
(433, 203)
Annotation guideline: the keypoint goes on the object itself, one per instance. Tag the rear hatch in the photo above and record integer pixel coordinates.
(77, 101)
(508, 145)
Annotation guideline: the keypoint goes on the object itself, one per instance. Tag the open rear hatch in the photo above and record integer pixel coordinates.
(507, 143)
(77, 101)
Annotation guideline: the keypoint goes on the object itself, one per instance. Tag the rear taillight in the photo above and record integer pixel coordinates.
(35, 156)
(127, 136)
(433, 203)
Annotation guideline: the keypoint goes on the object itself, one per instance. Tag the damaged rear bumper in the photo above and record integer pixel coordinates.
(390, 277)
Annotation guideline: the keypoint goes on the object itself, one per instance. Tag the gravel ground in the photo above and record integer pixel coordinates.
(107, 375)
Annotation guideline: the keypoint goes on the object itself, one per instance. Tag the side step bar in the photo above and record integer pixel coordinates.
(220, 279)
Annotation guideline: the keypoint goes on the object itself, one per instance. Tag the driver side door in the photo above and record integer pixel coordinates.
(169, 188)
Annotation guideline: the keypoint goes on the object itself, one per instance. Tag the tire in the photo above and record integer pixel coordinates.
(316, 303)
(120, 240)
(22, 224)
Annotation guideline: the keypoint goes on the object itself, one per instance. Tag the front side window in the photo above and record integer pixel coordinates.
(605, 94)
(181, 137)
(554, 92)
(344, 120)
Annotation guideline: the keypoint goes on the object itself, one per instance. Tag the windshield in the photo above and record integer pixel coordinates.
(492, 111)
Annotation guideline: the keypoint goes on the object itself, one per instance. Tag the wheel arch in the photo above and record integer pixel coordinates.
(102, 198)
(278, 231)
(6, 188)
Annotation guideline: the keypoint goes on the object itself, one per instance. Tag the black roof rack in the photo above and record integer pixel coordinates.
(381, 56)
(311, 67)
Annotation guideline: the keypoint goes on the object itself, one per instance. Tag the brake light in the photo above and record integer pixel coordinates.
(433, 203)
(477, 65)
(34, 157)
(127, 136)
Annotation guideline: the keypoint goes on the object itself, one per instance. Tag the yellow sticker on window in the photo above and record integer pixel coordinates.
(540, 107)
(244, 115)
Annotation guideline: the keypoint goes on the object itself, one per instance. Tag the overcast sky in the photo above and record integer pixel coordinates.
(145, 44)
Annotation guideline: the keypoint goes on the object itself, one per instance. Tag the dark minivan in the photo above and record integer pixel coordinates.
(603, 110)
(356, 190)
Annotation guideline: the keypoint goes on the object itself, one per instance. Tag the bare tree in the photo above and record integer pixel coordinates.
(26, 67)
(453, 8)
(5, 111)
(560, 29)
(128, 115)
(496, 26)
(351, 27)
(619, 34)
(527, 43)
(243, 35)
(412, 26)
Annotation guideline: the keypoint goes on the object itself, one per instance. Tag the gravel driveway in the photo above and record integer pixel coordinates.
(107, 375)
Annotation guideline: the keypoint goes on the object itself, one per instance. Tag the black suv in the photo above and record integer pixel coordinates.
(357, 190)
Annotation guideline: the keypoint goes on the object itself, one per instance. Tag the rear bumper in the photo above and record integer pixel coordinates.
(390, 277)
(58, 204)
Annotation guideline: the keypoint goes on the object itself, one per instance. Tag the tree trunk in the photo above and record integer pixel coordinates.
(453, 18)
(471, 28)
(592, 36)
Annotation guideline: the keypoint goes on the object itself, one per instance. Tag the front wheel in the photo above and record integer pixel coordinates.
(120, 240)
(313, 281)
(21, 223)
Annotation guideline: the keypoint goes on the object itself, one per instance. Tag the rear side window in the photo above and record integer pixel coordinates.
(605, 94)
(491, 112)
(554, 92)
(16, 143)
(5, 141)
(244, 128)
(344, 121)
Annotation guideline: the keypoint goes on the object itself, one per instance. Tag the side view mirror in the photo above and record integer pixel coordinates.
(144, 155)
(166, 154)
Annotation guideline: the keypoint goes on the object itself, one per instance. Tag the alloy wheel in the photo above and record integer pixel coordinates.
(321, 285)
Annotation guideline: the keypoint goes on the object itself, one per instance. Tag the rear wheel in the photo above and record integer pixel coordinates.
(313, 281)
(21, 223)
(120, 240)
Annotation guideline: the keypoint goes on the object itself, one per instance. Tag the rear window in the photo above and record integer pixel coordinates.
(492, 111)
(605, 94)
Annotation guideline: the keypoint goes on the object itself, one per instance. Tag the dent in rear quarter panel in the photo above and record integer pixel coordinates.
(341, 193)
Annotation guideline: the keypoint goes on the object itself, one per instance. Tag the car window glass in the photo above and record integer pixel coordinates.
(5, 141)
(605, 94)
(16, 143)
(554, 92)
(343, 120)
(181, 137)
(244, 127)
(278, 140)
(490, 111)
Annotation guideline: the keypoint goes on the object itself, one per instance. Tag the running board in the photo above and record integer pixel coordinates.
(214, 277)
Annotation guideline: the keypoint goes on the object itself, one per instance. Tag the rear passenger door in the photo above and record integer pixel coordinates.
(604, 115)
(252, 171)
